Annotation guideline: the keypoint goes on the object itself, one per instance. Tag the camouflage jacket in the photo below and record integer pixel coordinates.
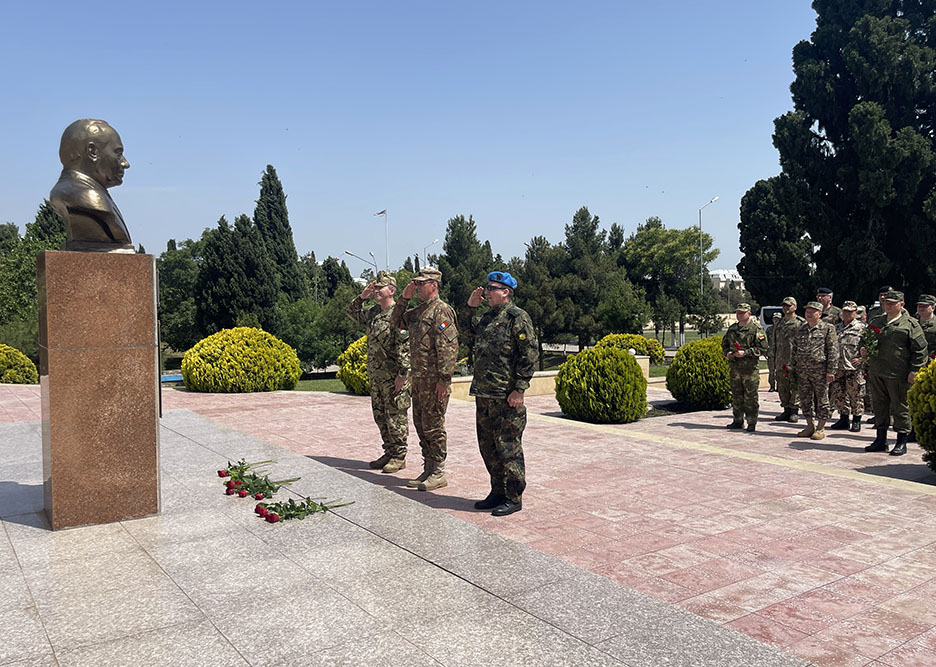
(849, 340)
(901, 347)
(433, 338)
(387, 346)
(750, 338)
(784, 333)
(929, 332)
(505, 352)
(815, 347)
(833, 315)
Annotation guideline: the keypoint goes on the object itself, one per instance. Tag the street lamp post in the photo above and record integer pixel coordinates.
(370, 261)
(701, 263)
(426, 249)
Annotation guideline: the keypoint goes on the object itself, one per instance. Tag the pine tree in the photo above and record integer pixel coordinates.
(272, 220)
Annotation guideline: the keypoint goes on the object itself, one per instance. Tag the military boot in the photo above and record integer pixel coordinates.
(381, 462)
(493, 500)
(435, 480)
(842, 423)
(794, 416)
(901, 447)
(394, 465)
(819, 433)
(783, 416)
(735, 424)
(880, 442)
(809, 430)
(414, 483)
(855, 424)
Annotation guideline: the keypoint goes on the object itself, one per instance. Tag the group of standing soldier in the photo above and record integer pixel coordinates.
(411, 352)
(828, 358)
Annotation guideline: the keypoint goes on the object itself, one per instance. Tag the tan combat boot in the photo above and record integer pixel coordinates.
(414, 483)
(820, 431)
(809, 430)
(381, 462)
(395, 464)
(436, 480)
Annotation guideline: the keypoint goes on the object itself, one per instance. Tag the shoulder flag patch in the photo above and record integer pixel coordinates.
(445, 325)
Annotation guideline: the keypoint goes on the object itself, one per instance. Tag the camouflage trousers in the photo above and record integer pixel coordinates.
(429, 418)
(889, 399)
(848, 390)
(785, 388)
(813, 392)
(390, 410)
(745, 381)
(500, 429)
(771, 374)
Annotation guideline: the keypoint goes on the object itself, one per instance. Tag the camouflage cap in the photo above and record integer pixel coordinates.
(815, 305)
(384, 278)
(742, 306)
(894, 295)
(850, 305)
(927, 300)
(789, 301)
(861, 309)
(426, 274)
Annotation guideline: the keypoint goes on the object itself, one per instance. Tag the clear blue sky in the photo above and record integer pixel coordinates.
(515, 112)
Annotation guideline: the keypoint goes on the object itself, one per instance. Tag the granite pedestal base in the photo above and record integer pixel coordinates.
(99, 384)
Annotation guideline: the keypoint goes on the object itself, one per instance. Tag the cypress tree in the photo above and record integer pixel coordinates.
(272, 221)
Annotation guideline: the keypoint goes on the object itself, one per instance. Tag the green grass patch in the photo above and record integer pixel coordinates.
(334, 385)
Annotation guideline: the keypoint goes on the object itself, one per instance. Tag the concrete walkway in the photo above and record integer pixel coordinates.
(817, 548)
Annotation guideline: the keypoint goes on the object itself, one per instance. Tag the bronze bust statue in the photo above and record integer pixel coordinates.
(93, 160)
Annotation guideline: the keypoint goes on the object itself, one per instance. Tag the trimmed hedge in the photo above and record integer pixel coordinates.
(16, 367)
(603, 385)
(922, 399)
(698, 375)
(352, 369)
(650, 347)
(240, 360)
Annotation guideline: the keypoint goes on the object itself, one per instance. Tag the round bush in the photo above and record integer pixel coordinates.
(352, 367)
(698, 375)
(603, 385)
(240, 360)
(16, 367)
(650, 347)
(922, 399)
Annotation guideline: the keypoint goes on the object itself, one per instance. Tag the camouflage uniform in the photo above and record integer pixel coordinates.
(505, 354)
(743, 372)
(815, 355)
(387, 357)
(433, 340)
(832, 315)
(771, 371)
(848, 387)
(782, 355)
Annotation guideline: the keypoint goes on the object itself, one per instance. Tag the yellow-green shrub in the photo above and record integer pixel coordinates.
(922, 399)
(698, 375)
(352, 367)
(642, 345)
(239, 360)
(603, 385)
(16, 367)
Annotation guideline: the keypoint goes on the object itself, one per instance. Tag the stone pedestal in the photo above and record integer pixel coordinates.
(99, 382)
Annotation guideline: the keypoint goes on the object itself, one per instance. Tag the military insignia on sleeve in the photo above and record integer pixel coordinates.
(522, 336)
(761, 336)
(444, 326)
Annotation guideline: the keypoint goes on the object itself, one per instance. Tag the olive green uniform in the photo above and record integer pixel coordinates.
(387, 358)
(929, 332)
(505, 355)
(743, 373)
(832, 315)
(901, 351)
(782, 357)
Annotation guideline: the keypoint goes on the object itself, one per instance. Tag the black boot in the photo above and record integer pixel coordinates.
(783, 416)
(856, 424)
(794, 416)
(880, 442)
(735, 425)
(492, 501)
(901, 447)
(841, 424)
(507, 507)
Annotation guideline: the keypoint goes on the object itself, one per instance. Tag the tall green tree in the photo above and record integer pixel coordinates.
(178, 269)
(859, 144)
(272, 220)
(335, 273)
(465, 262)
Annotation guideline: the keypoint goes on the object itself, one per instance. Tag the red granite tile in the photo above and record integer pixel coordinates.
(826, 654)
(812, 611)
(766, 630)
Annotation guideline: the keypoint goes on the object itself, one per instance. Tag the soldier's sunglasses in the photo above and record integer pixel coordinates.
(491, 288)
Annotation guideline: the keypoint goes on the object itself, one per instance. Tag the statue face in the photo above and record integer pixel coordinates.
(105, 154)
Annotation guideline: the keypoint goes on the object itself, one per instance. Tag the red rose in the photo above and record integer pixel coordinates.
(272, 517)
(259, 496)
(737, 346)
(230, 492)
(260, 509)
(229, 484)
(785, 367)
(242, 494)
(876, 329)
(222, 473)
(238, 483)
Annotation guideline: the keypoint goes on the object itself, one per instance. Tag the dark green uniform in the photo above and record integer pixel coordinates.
(387, 358)
(901, 351)
(743, 373)
(505, 354)
(782, 358)
(929, 332)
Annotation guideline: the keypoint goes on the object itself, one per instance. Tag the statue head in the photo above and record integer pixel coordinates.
(94, 148)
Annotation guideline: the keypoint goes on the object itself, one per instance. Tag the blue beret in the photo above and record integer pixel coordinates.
(503, 278)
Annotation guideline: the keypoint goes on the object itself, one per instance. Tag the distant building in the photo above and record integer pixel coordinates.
(723, 277)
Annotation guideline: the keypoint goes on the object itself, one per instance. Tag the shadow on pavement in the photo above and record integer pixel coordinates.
(20, 503)
(806, 443)
(910, 472)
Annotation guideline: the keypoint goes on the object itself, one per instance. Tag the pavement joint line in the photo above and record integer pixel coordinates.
(844, 473)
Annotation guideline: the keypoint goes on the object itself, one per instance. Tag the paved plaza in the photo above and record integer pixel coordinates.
(667, 541)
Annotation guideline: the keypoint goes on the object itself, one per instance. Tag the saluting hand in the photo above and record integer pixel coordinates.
(409, 290)
(369, 290)
(474, 299)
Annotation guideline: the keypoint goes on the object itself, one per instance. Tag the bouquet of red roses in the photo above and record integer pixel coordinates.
(871, 338)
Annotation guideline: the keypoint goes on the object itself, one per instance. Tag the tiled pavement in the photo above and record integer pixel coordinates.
(815, 547)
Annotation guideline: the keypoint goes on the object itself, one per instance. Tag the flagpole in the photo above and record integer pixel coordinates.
(387, 227)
